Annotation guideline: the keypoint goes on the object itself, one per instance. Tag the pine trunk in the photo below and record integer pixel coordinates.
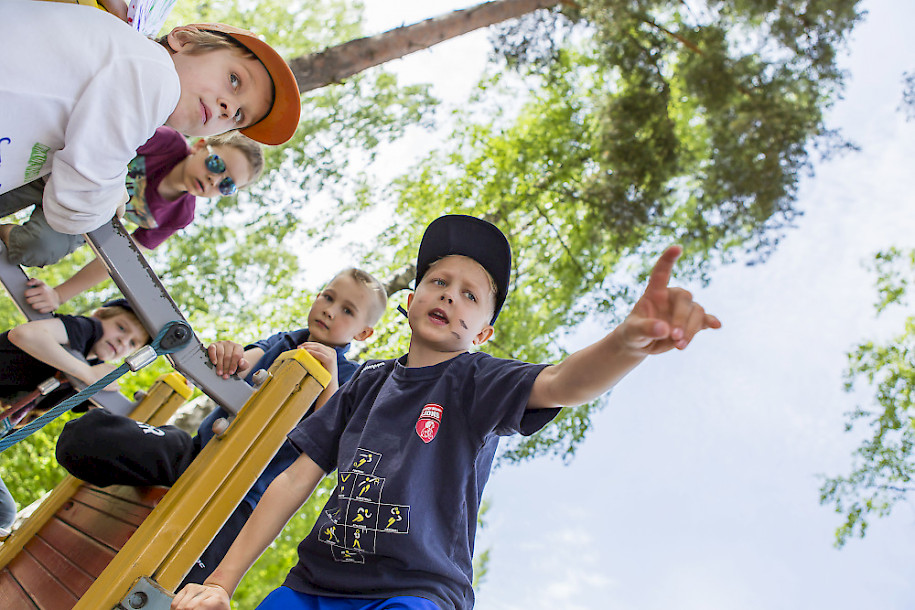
(342, 61)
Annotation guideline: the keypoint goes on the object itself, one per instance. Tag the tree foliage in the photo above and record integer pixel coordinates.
(883, 466)
(707, 114)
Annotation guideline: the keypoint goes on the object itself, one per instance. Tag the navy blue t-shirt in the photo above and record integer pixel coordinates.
(21, 372)
(414, 448)
(273, 346)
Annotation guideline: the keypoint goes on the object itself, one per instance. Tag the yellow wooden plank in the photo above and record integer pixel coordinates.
(162, 400)
(182, 525)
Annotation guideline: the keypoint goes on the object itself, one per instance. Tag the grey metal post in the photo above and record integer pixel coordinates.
(155, 308)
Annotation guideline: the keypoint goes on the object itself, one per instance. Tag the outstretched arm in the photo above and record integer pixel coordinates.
(664, 318)
(45, 340)
(284, 496)
(45, 299)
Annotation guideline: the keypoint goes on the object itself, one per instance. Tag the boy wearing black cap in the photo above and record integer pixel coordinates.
(33, 352)
(413, 439)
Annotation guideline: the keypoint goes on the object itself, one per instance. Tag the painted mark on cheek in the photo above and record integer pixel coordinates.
(463, 325)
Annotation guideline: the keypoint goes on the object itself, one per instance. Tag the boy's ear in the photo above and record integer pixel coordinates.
(409, 300)
(176, 39)
(364, 334)
(199, 145)
(484, 335)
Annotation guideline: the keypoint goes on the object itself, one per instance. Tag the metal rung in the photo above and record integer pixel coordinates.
(155, 308)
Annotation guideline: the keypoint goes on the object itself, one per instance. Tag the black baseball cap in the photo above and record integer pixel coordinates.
(474, 238)
(119, 303)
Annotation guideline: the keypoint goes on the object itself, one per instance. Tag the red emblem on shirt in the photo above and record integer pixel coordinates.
(429, 421)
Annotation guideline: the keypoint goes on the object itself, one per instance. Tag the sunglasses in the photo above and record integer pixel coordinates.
(215, 165)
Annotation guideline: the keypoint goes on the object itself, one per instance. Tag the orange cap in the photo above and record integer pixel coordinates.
(283, 117)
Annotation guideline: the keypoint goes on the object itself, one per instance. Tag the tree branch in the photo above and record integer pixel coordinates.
(687, 43)
(400, 280)
(337, 63)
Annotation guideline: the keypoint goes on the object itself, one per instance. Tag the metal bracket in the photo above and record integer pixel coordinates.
(146, 594)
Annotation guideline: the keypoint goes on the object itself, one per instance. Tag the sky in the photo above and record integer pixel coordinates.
(697, 487)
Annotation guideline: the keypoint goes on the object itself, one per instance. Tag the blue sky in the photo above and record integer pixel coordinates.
(698, 486)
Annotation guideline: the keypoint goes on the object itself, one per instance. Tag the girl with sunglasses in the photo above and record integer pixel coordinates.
(164, 181)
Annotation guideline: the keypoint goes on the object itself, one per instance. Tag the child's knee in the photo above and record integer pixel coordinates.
(35, 244)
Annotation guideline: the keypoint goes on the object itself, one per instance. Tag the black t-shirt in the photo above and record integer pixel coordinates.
(413, 448)
(21, 372)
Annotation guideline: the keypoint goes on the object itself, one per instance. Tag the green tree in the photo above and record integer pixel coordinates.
(883, 466)
(657, 123)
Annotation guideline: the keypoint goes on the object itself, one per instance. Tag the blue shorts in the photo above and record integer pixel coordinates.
(285, 598)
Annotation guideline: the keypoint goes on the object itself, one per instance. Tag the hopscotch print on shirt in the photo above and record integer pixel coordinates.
(352, 530)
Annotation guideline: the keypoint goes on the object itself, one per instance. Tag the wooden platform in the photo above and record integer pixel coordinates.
(59, 564)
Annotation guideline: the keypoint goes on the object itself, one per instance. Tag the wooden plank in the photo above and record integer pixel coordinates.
(44, 513)
(77, 547)
(141, 496)
(12, 595)
(101, 526)
(40, 584)
(60, 563)
(72, 576)
(129, 504)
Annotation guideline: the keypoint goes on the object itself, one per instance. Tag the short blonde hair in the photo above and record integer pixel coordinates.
(252, 150)
(376, 290)
(112, 311)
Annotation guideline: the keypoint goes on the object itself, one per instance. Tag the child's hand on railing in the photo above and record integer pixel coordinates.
(229, 358)
(41, 297)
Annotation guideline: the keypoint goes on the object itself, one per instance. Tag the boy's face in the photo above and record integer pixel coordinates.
(341, 312)
(121, 336)
(220, 90)
(201, 182)
(452, 306)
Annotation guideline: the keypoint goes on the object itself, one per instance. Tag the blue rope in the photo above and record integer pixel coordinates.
(68, 403)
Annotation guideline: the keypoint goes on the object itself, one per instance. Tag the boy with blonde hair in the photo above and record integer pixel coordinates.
(345, 310)
(413, 439)
(34, 351)
(78, 104)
